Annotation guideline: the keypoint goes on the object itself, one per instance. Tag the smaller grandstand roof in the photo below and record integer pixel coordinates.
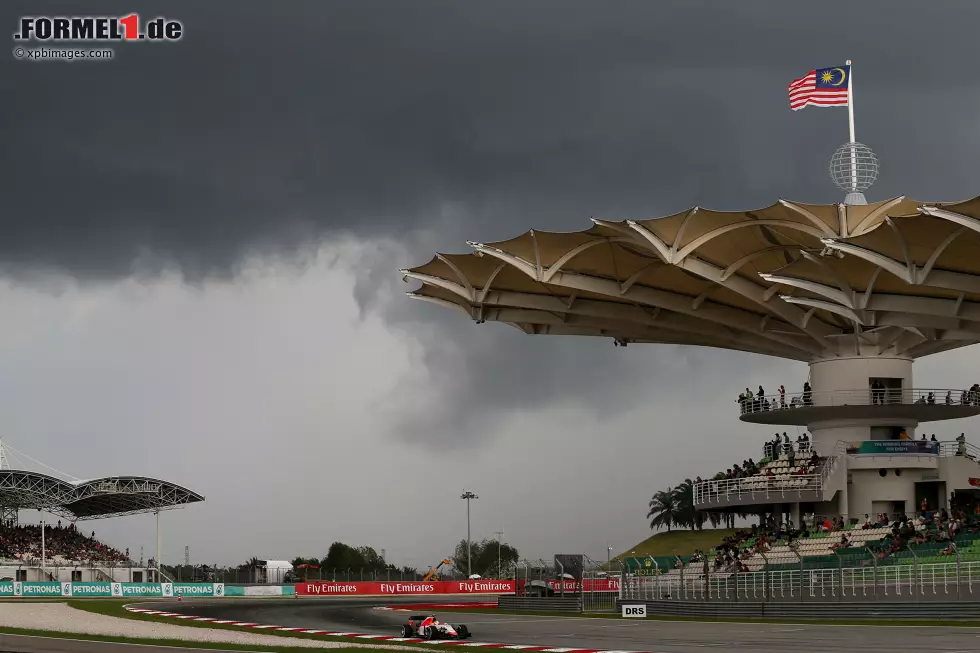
(78, 500)
(112, 496)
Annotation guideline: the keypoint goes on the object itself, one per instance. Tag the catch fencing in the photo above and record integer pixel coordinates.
(953, 581)
(867, 610)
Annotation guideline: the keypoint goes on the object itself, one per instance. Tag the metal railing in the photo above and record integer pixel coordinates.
(761, 487)
(756, 487)
(869, 397)
(949, 449)
(955, 580)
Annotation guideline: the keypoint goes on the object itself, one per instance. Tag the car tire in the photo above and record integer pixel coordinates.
(464, 632)
(406, 632)
(430, 633)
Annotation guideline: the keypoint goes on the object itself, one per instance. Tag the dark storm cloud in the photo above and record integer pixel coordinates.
(273, 124)
(267, 122)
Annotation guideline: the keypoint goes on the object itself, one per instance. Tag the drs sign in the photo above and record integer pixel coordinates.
(635, 611)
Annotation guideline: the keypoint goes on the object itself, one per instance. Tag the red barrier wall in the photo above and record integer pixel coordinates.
(327, 588)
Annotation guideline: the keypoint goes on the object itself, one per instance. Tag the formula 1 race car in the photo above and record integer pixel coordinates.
(428, 627)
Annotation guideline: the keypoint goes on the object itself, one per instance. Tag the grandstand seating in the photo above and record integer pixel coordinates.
(784, 476)
(63, 545)
(816, 552)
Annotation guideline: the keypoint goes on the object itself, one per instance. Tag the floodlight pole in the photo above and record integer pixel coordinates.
(159, 576)
(44, 551)
(469, 550)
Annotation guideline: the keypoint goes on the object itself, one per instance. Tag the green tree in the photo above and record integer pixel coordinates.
(664, 511)
(485, 557)
(342, 557)
(372, 561)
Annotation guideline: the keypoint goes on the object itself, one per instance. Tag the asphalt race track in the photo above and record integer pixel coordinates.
(358, 615)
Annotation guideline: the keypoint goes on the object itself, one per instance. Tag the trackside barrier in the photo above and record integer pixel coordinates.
(550, 604)
(909, 610)
(110, 590)
(507, 586)
(953, 581)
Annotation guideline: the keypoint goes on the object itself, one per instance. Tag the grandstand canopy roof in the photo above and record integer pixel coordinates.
(96, 499)
(792, 280)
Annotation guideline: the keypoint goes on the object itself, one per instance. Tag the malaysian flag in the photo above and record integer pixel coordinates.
(824, 87)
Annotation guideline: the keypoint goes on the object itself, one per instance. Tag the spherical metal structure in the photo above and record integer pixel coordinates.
(854, 167)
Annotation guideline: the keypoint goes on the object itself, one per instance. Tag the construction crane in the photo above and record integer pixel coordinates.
(435, 570)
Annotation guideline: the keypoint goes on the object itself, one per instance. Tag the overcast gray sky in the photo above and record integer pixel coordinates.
(201, 245)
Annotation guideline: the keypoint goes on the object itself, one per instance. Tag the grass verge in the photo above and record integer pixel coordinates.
(179, 643)
(112, 608)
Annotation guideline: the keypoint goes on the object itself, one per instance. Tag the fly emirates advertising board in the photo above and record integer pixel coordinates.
(409, 588)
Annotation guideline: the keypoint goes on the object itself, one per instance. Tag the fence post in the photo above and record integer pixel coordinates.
(874, 560)
(561, 578)
(840, 574)
(765, 576)
(956, 551)
(707, 577)
(915, 570)
(800, 559)
(622, 578)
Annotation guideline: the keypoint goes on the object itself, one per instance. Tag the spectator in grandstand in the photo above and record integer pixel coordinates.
(23, 542)
(772, 448)
(877, 392)
(782, 396)
(807, 394)
(803, 443)
(867, 523)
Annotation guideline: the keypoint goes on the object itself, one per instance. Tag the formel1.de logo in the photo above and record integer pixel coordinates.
(73, 29)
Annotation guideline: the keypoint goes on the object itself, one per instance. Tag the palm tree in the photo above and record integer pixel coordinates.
(688, 515)
(664, 510)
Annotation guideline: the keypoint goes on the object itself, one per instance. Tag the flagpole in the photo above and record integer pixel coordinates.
(850, 121)
(850, 101)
